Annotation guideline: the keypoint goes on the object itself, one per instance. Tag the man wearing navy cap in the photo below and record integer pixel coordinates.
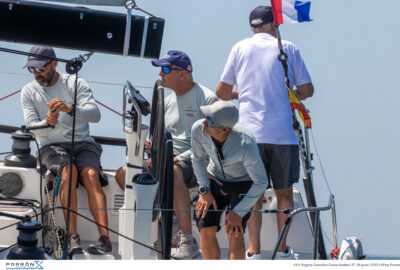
(264, 109)
(182, 109)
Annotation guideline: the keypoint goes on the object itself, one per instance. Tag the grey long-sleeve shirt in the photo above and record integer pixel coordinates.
(34, 98)
(242, 162)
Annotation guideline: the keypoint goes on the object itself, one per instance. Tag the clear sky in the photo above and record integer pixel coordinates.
(350, 49)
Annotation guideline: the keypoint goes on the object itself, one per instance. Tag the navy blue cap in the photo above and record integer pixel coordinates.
(261, 15)
(47, 52)
(177, 58)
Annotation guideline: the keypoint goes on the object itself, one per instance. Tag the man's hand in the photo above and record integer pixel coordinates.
(204, 202)
(147, 147)
(57, 105)
(149, 162)
(233, 225)
(52, 118)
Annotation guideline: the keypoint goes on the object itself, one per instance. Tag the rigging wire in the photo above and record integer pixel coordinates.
(89, 81)
(320, 162)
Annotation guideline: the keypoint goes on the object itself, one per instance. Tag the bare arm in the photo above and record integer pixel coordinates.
(226, 92)
(304, 91)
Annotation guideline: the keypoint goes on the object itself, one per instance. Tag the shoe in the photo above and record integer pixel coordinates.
(288, 255)
(187, 250)
(257, 256)
(101, 247)
(74, 245)
(176, 231)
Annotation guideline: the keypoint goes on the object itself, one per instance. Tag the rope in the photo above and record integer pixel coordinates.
(55, 229)
(132, 4)
(16, 92)
(114, 111)
(102, 104)
(90, 220)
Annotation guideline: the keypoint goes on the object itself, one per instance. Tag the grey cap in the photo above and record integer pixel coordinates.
(37, 62)
(221, 114)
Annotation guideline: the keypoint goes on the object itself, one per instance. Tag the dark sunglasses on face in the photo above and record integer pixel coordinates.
(39, 70)
(167, 69)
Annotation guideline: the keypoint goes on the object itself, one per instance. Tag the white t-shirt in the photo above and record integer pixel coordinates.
(264, 106)
(180, 114)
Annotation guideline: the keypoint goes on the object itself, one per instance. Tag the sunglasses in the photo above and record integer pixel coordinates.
(39, 70)
(167, 70)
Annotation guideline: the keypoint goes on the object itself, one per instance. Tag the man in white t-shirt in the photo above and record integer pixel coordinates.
(264, 109)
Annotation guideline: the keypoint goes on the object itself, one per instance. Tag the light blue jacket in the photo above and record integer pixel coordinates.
(241, 162)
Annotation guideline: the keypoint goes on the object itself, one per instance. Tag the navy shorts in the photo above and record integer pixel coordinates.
(282, 163)
(188, 174)
(87, 154)
(227, 195)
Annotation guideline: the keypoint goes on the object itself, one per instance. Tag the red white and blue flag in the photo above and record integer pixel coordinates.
(290, 11)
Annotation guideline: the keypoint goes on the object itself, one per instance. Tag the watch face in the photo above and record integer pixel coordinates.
(202, 190)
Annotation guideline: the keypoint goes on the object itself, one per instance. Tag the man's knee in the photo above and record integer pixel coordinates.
(120, 177)
(178, 175)
(90, 178)
(67, 168)
(208, 232)
(284, 194)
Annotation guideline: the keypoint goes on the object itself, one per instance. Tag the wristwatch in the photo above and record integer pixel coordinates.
(204, 189)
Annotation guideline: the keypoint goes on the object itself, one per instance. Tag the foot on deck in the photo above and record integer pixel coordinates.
(257, 256)
(101, 247)
(288, 255)
(74, 246)
(188, 249)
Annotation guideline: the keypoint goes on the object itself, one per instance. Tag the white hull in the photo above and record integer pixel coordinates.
(300, 236)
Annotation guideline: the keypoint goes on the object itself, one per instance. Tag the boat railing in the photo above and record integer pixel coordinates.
(317, 211)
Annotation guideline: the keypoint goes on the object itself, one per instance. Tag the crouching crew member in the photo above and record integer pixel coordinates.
(233, 180)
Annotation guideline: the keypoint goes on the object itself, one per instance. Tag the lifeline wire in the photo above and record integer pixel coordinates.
(90, 220)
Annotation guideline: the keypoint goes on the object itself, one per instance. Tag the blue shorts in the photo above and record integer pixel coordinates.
(282, 163)
(87, 154)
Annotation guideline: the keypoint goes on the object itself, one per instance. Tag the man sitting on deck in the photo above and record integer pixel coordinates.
(48, 100)
(234, 179)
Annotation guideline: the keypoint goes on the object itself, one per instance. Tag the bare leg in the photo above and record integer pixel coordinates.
(285, 200)
(254, 227)
(209, 244)
(120, 177)
(182, 201)
(97, 199)
(64, 187)
(236, 248)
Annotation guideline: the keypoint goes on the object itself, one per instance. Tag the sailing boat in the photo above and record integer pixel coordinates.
(118, 200)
